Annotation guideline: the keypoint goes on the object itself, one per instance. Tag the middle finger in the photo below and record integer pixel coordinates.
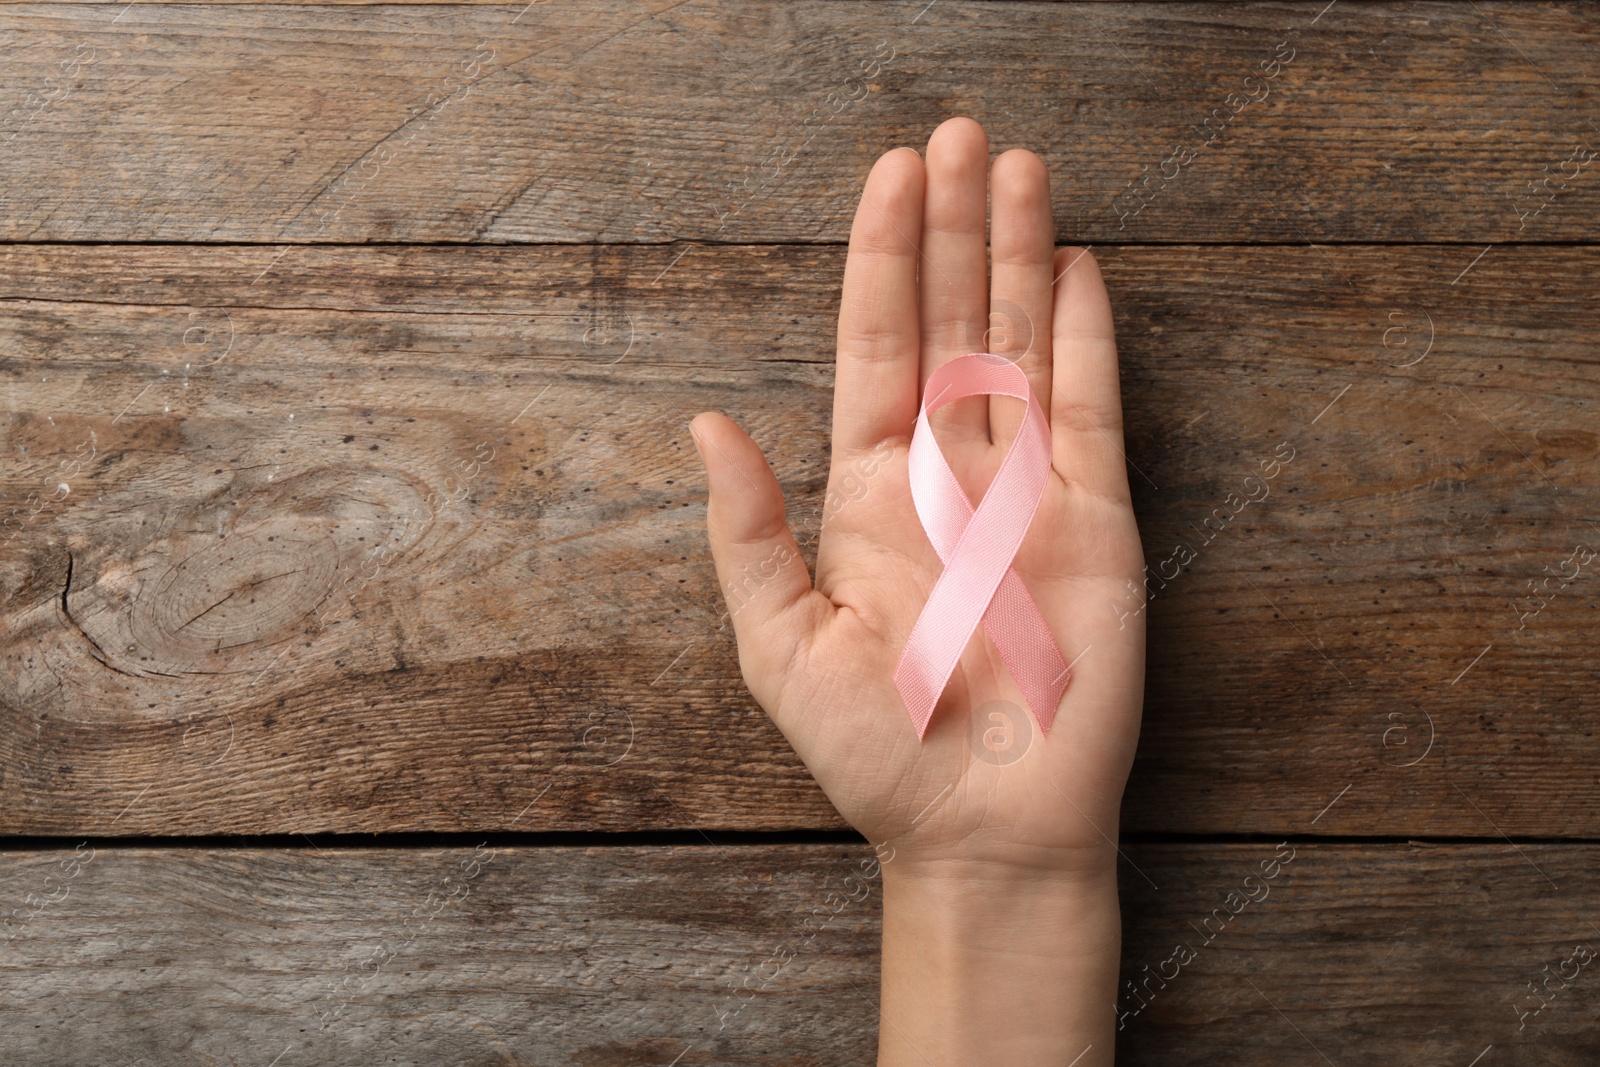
(953, 289)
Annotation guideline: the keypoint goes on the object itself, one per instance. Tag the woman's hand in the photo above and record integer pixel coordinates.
(1001, 931)
(820, 660)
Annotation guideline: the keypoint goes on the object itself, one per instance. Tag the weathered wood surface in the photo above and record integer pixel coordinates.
(304, 538)
(408, 537)
(622, 957)
(730, 121)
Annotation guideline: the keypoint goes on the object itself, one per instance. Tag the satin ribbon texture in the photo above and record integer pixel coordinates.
(977, 549)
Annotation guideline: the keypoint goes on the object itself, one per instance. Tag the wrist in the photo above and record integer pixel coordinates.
(1007, 866)
(1001, 911)
(989, 963)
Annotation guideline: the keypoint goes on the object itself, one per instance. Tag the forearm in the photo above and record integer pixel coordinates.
(991, 967)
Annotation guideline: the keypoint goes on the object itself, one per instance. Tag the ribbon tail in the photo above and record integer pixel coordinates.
(920, 684)
(1030, 653)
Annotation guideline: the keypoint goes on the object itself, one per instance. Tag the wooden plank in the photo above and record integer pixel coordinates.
(533, 956)
(629, 122)
(1360, 953)
(765, 955)
(413, 535)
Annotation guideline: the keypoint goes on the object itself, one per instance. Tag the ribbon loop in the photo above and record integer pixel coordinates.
(977, 549)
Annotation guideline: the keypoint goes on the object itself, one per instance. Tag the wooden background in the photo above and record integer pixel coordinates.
(348, 353)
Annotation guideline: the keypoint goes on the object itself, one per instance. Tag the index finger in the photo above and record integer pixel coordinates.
(877, 377)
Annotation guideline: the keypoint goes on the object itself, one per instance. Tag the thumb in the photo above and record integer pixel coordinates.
(759, 567)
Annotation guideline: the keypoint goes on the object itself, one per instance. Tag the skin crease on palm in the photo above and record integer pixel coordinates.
(820, 657)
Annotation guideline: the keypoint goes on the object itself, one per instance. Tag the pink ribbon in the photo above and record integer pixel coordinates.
(977, 549)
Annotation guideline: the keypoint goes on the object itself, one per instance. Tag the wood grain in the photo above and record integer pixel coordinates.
(412, 538)
(347, 353)
(617, 957)
(725, 121)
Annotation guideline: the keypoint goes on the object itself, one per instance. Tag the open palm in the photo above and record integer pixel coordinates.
(982, 784)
